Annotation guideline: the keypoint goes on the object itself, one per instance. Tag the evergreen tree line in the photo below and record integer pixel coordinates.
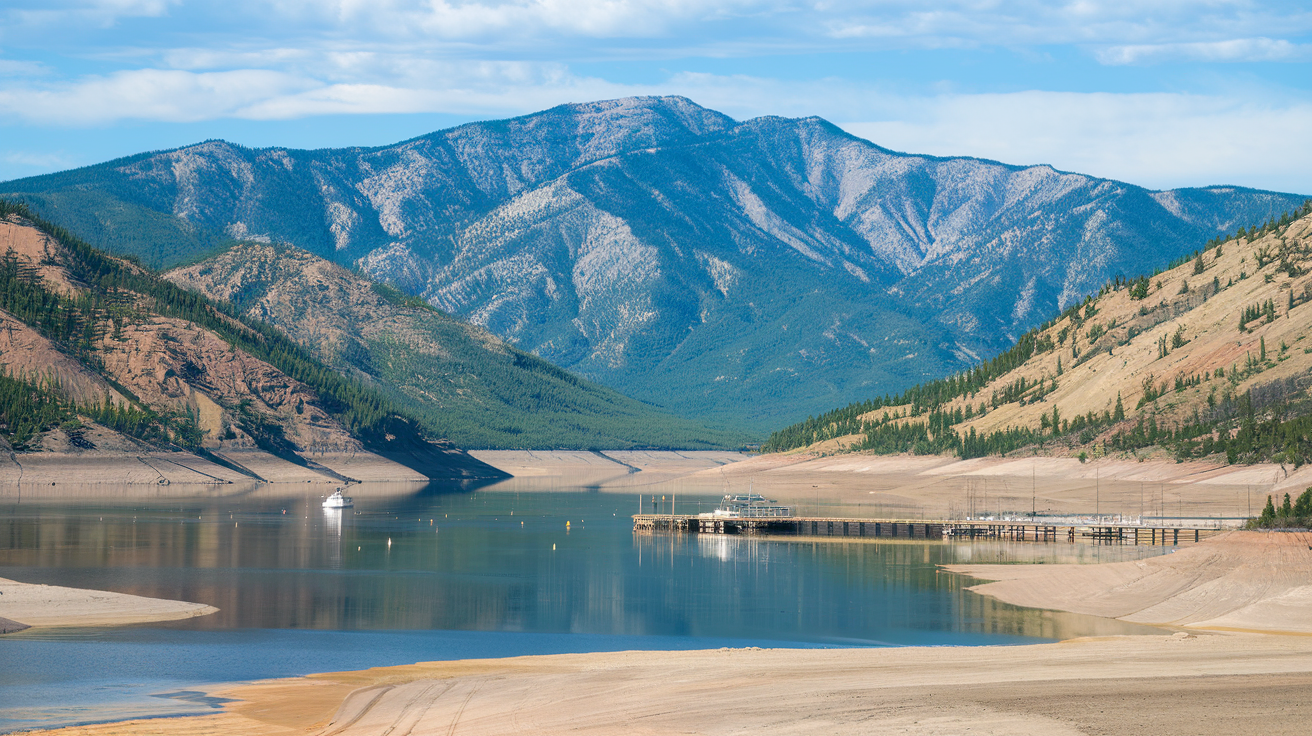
(30, 406)
(1295, 515)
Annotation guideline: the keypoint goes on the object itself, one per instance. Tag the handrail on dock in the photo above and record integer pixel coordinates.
(923, 529)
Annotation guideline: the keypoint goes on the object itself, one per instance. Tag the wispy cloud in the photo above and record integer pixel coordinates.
(101, 63)
(146, 94)
(1158, 140)
(1233, 50)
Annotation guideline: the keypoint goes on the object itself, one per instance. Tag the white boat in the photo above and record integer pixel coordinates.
(748, 506)
(338, 501)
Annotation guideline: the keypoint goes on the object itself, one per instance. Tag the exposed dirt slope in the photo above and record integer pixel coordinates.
(1257, 581)
(1190, 344)
(1125, 358)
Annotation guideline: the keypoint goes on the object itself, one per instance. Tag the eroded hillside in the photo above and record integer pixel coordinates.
(1210, 357)
(96, 347)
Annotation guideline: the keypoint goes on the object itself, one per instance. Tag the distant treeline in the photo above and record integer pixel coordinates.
(1281, 434)
(1295, 515)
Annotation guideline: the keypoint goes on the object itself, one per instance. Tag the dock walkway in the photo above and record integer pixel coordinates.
(924, 529)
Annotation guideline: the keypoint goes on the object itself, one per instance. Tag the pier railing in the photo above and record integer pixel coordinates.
(924, 529)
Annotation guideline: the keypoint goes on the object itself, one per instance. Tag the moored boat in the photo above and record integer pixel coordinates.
(748, 506)
(338, 501)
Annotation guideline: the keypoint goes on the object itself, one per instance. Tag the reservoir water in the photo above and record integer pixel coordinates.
(442, 572)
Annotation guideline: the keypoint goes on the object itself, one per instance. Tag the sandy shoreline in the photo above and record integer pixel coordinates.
(1223, 684)
(1250, 581)
(1200, 682)
(30, 605)
(919, 487)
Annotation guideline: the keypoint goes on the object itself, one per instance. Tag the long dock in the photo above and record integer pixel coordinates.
(925, 529)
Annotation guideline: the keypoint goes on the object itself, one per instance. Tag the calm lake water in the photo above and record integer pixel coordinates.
(439, 572)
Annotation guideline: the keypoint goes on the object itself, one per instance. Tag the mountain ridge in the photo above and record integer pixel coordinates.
(666, 250)
(463, 383)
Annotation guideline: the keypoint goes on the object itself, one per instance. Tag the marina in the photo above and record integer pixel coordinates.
(800, 526)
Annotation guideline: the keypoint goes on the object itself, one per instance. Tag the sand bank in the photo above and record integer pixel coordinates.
(53, 605)
(1177, 683)
(1223, 684)
(940, 487)
(903, 486)
(1252, 581)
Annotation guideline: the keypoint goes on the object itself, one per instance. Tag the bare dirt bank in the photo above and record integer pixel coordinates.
(922, 487)
(53, 605)
(940, 487)
(1257, 581)
(1222, 684)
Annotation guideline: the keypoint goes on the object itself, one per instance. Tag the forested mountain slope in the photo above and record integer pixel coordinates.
(750, 271)
(1210, 358)
(463, 383)
(93, 346)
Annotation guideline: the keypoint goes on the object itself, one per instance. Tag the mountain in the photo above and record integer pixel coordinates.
(463, 383)
(750, 271)
(1211, 358)
(100, 357)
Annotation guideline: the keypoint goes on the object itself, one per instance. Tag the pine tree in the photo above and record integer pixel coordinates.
(1118, 413)
(1268, 514)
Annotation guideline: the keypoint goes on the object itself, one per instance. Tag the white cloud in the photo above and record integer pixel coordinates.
(500, 20)
(1033, 22)
(477, 87)
(1238, 49)
(1160, 140)
(146, 94)
(58, 15)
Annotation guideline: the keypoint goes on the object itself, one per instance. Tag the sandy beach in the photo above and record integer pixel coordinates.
(1208, 679)
(29, 604)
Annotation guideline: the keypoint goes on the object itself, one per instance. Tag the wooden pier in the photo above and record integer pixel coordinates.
(925, 529)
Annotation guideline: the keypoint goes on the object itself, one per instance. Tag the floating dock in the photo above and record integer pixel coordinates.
(924, 529)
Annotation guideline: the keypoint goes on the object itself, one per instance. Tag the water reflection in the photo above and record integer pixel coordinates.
(443, 558)
(444, 571)
(332, 522)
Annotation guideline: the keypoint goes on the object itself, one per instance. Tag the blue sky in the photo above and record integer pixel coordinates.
(1160, 93)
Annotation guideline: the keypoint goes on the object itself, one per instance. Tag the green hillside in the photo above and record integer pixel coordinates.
(461, 382)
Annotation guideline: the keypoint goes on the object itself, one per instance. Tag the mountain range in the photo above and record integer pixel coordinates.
(750, 272)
